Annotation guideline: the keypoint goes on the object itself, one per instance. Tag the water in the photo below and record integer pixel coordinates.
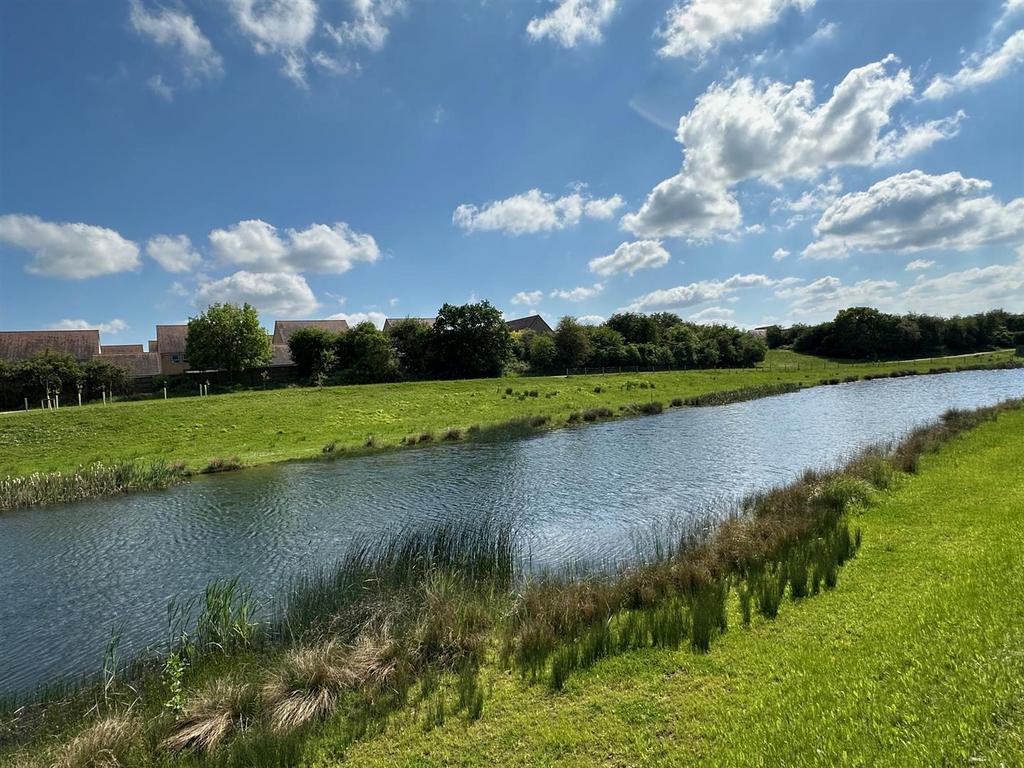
(72, 573)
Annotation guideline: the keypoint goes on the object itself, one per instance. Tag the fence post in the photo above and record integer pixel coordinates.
(26, 403)
(165, 393)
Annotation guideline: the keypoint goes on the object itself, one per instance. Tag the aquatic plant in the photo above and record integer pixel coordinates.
(90, 481)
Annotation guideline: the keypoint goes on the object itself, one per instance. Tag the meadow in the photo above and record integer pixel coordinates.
(864, 615)
(258, 427)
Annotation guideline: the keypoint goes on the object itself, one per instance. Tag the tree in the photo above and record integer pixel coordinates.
(227, 337)
(312, 351)
(636, 328)
(411, 341)
(607, 347)
(572, 343)
(542, 352)
(469, 341)
(369, 355)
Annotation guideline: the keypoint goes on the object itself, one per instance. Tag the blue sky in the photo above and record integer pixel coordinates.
(746, 161)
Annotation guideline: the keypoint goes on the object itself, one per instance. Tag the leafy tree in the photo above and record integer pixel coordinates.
(469, 341)
(636, 328)
(369, 355)
(313, 352)
(227, 337)
(607, 347)
(572, 342)
(411, 341)
(542, 352)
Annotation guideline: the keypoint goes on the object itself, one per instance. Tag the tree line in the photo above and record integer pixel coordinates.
(864, 333)
(50, 378)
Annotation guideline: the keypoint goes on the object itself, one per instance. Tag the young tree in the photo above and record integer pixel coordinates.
(227, 337)
(369, 355)
(312, 351)
(470, 341)
(572, 342)
(542, 352)
(411, 341)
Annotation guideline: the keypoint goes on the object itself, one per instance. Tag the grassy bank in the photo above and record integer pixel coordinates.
(261, 427)
(435, 638)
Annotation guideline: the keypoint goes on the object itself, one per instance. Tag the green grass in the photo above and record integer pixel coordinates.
(262, 427)
(914, 659)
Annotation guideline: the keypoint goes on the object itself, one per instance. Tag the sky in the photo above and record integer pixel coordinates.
(739, 161)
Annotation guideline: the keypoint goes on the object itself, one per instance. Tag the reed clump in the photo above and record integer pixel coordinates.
(218, 464)
(740, 395)
(86, 482)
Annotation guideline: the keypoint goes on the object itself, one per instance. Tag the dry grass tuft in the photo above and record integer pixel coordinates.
(222, 710)
(306, 686)
(104, 744)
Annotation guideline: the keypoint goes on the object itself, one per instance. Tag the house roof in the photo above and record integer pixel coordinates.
(283, 329)
(392, 321)
(282, 356)
(136, 363)
(21, 345)
(171, 338)
(121, 349)
(533, 323)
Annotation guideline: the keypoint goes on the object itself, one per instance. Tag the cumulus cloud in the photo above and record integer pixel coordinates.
(824, 297)
(980, 69)
(173, 253)
(369, 26)
(713, 315)
(771, 131)
(71, 250)
(629, 257)
(325, 248)
(528, 298)
(704, 290)
(355, 318)
(176, 30)
(573, 22)
(916, 211)
(780, 254)
(282, 27)
(918, 264)
(113, 327)
(582, 293)
(534, 211)
(694, 28)
(590, 320)
(275, 293)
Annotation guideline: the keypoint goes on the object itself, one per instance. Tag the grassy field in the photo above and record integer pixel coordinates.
(917, 658)
(263, 427)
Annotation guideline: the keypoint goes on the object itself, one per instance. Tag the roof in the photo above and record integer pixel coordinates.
(21, 345)
(121, 349)
(282, 356)
(171, 338)
(392, 321)
(533, 323)
(154, 346)
(283, 329)
(137, 364)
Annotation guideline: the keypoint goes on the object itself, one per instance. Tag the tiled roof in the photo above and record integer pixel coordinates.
(532, 323)
(427, 321)
(121, 349)
(21, 345)
(171, 338)
(283, 329)
(281, 356)
(137, 364)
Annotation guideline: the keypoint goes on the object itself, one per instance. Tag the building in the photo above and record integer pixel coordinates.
(761, 330)
(138, 364)
(390, 322)
(121, 349)
(283, 329)
(170, 345)
(533, 323)
(16, 346)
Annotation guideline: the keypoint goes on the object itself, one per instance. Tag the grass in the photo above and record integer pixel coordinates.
(913, 659)
(262, 427)
(394, 654)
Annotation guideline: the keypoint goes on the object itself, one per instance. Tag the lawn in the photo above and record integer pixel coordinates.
(262, 427)
(917, 658)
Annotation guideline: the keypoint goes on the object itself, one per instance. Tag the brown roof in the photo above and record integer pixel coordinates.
(283, 329)
(281, 356)
(137, 364)
(21, 345)
(171, 338)
(533, 323)
(427, 321)
(154, 345)
(121, 349)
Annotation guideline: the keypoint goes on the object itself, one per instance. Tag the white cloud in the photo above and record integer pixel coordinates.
(705, 290)
(534, 211)
(780, 254)
(177, 30)
(978, 70)
(355, 318)
(369, 26)
(824, 297)
(581, 293)
(713, 315)
(528, 298)
(919, 264)
(274, 293)
(74, 251)
(573, 22)
(694, 28)
(629, 257)
(590, 320)
(173, 253)
(915, 211)
(114, 327)
(282, 27)
(825, 32)
(326, 248)
(771, 131)
(157, 85)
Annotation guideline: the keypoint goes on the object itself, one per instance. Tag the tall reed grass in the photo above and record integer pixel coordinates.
(90, 481)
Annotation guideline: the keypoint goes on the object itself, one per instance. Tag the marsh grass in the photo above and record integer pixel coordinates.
(740, 395)
(90, 481)
(216, 465)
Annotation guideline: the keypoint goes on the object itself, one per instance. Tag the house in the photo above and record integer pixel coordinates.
(390, 322)
(170, 341)
(761, 330)
(283, 329)
(533, 323)
(121, 349)
(138, 364)
(16, 346)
